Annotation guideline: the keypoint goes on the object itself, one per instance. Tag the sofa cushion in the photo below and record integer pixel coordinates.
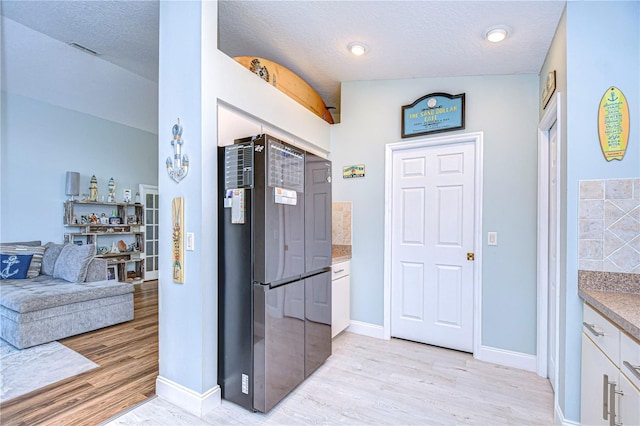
(45, 292)
(73, 261)
(18, 249)
(51, 253)
(14, 266)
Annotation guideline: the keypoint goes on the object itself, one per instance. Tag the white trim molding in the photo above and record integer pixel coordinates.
(507, 358)
(187, 399)
(367, 329)
(477, 139)
(559, 419)
(553, 115)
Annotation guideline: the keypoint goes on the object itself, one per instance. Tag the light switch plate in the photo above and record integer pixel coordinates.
(492, 238)
(190, 241)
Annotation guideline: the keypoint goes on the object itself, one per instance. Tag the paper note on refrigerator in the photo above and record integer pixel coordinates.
(286, 196)
(237, 206)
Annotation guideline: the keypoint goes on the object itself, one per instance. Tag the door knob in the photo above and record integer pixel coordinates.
(470, 256)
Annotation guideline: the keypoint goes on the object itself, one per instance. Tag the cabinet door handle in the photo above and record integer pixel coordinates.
(612, 403)
(338, 271)
(605, 397)
(591, 328)
(635, 369)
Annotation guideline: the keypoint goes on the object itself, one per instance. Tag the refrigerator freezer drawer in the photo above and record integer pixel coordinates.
(278, 342)
(317, 331)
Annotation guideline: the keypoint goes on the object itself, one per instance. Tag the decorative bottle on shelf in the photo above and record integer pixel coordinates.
(137, 197)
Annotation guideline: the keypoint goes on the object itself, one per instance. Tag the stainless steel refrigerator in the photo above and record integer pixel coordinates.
(274, 285)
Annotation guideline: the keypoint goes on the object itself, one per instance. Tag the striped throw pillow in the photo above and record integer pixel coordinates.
(36, 260)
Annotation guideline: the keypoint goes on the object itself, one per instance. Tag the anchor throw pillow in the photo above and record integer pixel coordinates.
(14, 266)
(20, 249)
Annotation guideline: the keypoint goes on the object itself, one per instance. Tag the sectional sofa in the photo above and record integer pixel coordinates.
(65, 292)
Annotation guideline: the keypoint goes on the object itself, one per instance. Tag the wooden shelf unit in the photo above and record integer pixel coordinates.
(89, 221)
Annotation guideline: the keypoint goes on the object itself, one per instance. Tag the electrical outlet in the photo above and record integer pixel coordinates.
(492, 238)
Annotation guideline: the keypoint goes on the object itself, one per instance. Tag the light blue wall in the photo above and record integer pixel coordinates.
(603, 40)
(188, 320)
(64, 110)
(505, 108)
(192, 91)
(40, 142)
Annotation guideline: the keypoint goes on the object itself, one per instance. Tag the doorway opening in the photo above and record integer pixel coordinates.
(549, 185)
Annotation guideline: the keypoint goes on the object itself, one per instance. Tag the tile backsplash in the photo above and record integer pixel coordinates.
(341, 223)
(609, 225)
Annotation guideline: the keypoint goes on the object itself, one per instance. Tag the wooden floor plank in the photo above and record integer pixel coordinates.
(127, 355)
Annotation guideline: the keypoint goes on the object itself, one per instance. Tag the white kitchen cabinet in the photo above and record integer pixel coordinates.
(340, 297)
(608, 395)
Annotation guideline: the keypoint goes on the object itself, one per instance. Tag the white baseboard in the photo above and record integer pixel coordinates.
(366, 329)
(559, 419)
(507, 358)
(187, 399)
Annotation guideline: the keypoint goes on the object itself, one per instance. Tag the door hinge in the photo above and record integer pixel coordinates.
(471, 256)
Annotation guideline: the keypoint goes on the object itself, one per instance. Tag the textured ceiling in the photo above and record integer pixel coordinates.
(405, 39)
(125, 33)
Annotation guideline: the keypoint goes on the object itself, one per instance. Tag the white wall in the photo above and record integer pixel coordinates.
(505, 109)
(63, 110)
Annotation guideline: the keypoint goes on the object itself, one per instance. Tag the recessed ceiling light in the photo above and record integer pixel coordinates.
(496, 35)
(357, 48)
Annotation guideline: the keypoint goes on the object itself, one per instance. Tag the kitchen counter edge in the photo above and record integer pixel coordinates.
(620, 308)
(339, 259)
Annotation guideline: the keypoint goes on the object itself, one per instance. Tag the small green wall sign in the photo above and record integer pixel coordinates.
(433, 113)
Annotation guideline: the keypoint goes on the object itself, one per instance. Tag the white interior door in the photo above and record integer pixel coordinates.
(432, 232)
(553, 254)
(149, 196)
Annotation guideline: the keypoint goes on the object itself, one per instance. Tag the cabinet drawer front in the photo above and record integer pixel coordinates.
(603, 333)
(340, 309)
(339, 270)
(630, 358)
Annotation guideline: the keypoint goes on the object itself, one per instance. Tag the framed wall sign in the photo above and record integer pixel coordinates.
(613, 124)
(433, 113)
(354, 171)
(549, 88)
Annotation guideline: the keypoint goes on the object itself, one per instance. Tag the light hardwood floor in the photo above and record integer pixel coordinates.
(365, 381)
(127, 355)
(369, 381)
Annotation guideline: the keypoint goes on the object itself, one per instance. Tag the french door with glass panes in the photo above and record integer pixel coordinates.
(149, 195)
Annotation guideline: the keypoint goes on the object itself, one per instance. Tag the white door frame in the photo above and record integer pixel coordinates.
(477, 139)
(552, 115)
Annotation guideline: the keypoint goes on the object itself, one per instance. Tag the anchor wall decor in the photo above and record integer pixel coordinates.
(179, 166)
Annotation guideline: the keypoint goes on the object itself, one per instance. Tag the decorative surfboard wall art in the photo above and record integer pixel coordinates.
(613, 124)
(288, 83)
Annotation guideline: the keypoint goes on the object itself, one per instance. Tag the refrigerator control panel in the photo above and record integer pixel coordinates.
(238, 166)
